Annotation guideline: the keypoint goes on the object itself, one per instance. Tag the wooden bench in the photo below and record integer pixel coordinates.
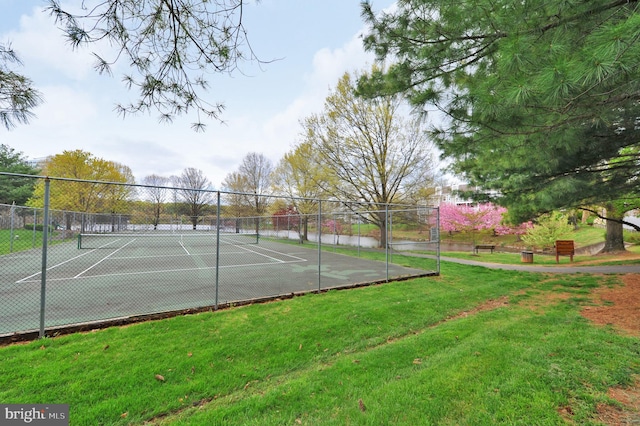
(483, 247)
(565, 248)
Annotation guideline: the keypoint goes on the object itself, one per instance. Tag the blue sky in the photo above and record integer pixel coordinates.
(315, 40)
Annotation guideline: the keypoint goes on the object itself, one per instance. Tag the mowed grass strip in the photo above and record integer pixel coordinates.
(483, 369)
(401, 352)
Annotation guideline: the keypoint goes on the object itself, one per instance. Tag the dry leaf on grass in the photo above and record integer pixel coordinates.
(159, 378)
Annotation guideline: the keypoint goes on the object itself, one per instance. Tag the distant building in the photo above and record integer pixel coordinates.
(37, 163)
(450, 194)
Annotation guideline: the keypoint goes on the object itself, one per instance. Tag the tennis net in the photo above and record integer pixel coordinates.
(119, 240)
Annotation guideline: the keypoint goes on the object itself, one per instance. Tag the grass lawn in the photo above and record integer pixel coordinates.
(632, 257)
(472, 346)
(23, 239)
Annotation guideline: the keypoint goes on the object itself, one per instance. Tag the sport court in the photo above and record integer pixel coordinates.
(106, 276)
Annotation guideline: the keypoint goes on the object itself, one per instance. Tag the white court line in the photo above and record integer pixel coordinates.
(279, 261)
(279, 252)
(222, 253)
(242, 265)
(66, 261)
(156, 256)
(104, 258)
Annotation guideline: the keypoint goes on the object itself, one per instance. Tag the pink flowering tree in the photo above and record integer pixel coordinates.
(333, 226)
(465, 218)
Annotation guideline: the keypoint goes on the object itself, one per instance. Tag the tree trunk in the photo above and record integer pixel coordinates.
(382, 224)
(305, 227)
(614, 240)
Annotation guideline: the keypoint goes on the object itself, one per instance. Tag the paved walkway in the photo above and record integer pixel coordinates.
(560, 269)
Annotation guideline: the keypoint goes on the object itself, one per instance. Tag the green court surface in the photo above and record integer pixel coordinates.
(132, 276)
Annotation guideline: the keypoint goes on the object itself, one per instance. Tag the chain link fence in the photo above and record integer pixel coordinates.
(160, 251)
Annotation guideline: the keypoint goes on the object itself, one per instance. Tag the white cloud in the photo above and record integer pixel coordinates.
(65, 107)
(40, 44)
(327, 67)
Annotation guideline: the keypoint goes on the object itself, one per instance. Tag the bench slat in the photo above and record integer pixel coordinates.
(565, 248)
(483, 247)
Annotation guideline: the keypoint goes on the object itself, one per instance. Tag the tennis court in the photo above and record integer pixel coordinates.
(102, 277)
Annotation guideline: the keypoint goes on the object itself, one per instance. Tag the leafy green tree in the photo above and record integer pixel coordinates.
(85, 189)
(15, 189)
(541, 98)
(548, 229)
(17, 96)
(117, 198)
(169, 47)
(373, 154)
(301, 177)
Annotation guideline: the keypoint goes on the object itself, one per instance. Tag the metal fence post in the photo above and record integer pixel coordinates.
(33, 234)
(45, 243)
(319, 245)
(438, 240)
(217, 248)
(11, 236)
(359, 220)
(386, 239)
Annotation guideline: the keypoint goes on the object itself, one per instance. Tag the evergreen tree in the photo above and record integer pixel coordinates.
(17, 95)
(15, 189)
(541, 98)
